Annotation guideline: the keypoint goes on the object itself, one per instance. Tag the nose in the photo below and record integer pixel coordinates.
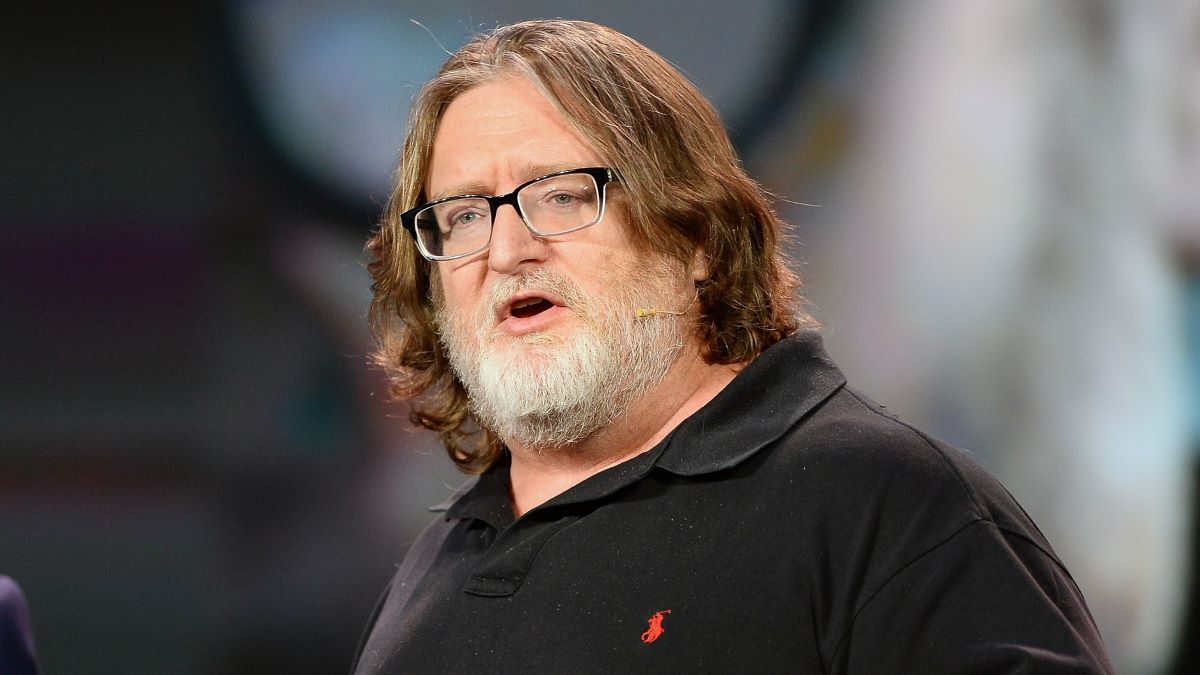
(513, 245)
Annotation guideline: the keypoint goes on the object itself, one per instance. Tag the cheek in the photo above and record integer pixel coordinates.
(459, 290)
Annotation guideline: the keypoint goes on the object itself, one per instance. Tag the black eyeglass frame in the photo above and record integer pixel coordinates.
(600, 174)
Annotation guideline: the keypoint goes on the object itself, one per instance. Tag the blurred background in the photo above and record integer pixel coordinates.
(997, 216)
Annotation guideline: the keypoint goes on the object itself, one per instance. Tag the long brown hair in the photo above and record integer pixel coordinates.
(684, 186)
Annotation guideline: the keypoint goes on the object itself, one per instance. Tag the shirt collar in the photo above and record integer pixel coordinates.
(777, 389)
(766, 399)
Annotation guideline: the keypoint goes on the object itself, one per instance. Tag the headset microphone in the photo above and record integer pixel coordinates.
(650, 312)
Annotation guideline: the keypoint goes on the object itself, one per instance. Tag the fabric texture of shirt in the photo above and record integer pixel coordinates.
(790, 525)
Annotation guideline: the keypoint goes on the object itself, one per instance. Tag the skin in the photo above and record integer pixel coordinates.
(490, 139)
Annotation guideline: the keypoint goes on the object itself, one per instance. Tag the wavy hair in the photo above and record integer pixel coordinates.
(685, 191)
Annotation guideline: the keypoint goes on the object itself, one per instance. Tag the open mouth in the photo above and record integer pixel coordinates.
(523, 309)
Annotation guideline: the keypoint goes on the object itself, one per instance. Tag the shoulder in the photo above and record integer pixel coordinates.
(866, 472)
(865, 447)
(371, 653)
(902, 518)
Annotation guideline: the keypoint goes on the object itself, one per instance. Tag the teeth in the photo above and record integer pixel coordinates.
(526, 303)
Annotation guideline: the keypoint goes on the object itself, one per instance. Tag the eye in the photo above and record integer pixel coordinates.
(567, 197)
(464, 217)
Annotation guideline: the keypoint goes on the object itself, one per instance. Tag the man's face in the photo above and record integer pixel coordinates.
(543, 331)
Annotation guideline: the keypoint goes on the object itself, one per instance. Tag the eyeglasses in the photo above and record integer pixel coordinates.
(550, 205)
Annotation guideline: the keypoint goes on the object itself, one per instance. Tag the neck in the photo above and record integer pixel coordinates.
(541, 474)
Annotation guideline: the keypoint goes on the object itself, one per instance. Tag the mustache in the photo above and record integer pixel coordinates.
(538, 279)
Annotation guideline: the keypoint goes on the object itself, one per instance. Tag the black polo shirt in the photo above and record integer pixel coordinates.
(790, 525)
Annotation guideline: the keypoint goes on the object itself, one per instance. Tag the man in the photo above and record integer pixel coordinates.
(586, 291)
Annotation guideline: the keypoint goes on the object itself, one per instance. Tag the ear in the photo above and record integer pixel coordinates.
(699, 265)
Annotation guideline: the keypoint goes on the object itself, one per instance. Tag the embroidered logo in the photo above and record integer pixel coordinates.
(655, 630)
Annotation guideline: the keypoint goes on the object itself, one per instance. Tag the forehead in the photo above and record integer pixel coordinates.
(498, 134)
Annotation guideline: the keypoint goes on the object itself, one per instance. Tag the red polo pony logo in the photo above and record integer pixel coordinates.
(655, 630)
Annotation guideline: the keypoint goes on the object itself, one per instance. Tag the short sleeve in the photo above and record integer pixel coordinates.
(983, 601)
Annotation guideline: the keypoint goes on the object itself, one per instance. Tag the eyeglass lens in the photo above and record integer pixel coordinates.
(553, 205)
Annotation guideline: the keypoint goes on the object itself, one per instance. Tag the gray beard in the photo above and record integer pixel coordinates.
(544, 390)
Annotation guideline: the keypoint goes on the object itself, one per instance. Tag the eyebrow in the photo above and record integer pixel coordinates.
(527, 172)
